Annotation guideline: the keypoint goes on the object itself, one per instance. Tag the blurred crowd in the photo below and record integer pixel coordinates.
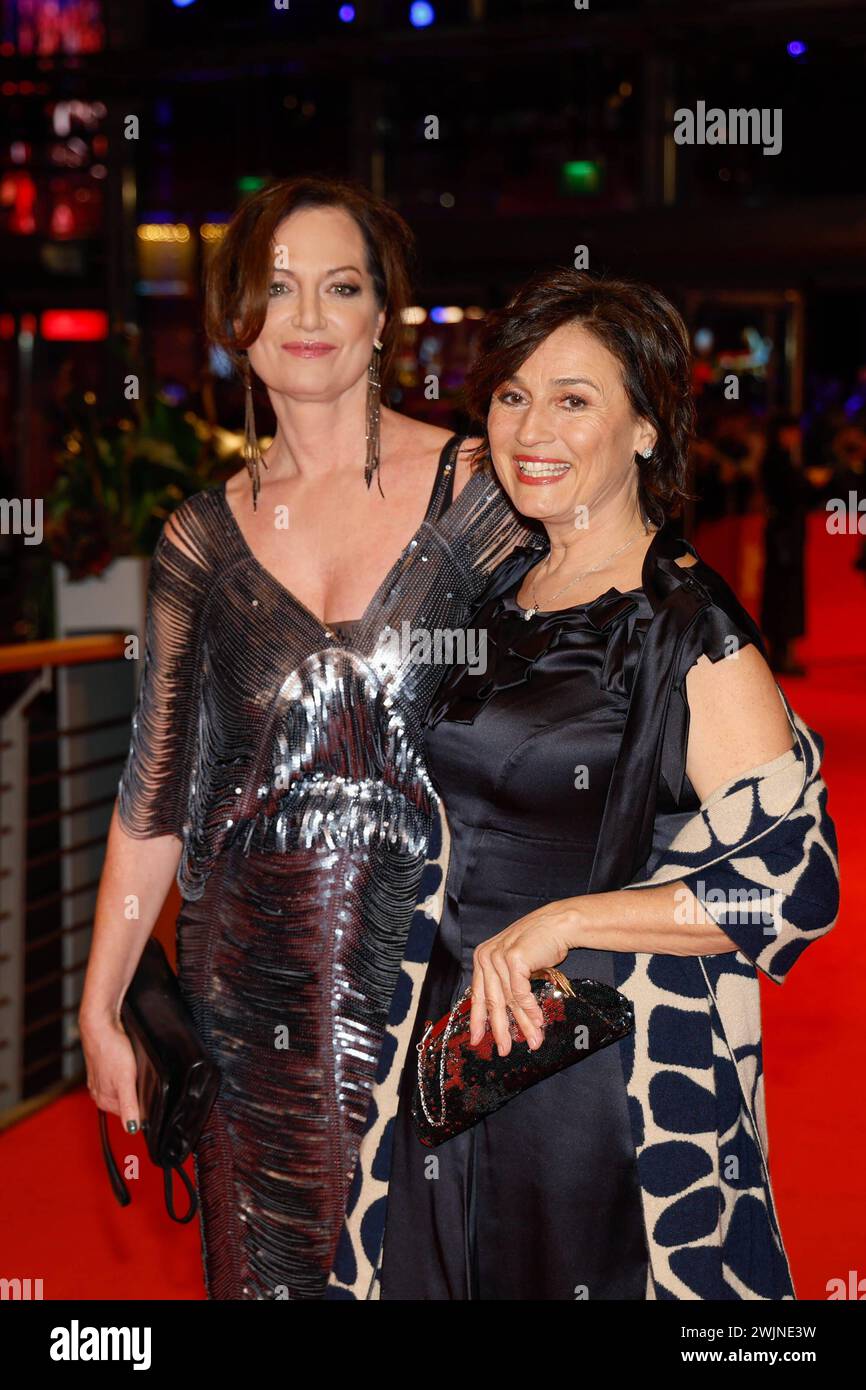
(751, 470)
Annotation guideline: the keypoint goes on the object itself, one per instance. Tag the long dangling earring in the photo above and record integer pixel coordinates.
(250, 452)
(374, 389)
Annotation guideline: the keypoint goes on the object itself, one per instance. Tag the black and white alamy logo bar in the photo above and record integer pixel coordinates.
(88, 1343)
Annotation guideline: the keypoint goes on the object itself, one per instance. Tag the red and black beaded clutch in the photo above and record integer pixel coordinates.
(459, 1084)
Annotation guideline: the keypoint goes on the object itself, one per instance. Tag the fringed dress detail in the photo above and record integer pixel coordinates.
(288, 757)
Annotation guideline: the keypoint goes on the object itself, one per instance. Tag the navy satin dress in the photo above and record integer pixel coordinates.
(541, 1200)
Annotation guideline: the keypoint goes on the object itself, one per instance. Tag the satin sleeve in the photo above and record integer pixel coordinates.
(154, 786)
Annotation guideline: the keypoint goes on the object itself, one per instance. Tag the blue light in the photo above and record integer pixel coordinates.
(220, 363)
(796, 49)
(437, 314)
(182, 4)
(421, 14)
(346, 13)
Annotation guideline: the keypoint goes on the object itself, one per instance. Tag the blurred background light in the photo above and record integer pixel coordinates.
(581, 176)
(446, 313)
(421, 14)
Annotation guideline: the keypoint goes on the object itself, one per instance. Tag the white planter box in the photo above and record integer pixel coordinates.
(87, 696)
(114, 601)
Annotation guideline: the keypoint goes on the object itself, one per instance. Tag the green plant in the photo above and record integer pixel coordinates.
(118, 481)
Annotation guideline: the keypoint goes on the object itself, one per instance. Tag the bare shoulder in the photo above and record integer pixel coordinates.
(238, 487)
(737, 718)
(423, 444)
(464, 463)
(403, 435)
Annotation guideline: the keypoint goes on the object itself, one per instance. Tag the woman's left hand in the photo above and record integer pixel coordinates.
(503, 966)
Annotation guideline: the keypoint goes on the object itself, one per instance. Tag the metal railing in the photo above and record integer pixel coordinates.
(64, 734)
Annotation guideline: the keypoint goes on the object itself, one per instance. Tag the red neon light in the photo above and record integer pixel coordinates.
(74, 325)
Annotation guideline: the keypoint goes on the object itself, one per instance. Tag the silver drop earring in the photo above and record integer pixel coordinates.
(374, 389)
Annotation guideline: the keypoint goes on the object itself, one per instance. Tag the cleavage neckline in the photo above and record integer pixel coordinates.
(449, 452)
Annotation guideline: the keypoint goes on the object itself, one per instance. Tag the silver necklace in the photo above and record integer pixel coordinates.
(531, 612)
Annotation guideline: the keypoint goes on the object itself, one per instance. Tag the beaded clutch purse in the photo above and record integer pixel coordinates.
(459, 1084)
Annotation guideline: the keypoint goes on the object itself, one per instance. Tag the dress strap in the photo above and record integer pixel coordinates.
(443, 484)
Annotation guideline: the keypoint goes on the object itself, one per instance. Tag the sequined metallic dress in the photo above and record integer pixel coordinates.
(288, 758)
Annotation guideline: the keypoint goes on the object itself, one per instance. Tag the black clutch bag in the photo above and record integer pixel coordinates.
(459, 1084)
(176, 1082)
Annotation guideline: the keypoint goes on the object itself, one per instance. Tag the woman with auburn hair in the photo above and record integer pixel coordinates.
(275, 763)
(627, 734)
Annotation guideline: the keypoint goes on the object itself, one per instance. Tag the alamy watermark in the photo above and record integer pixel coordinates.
(85, 1343)
(22, 516)
(846, 518)
(737, 126)
(21, 1290)
(738, 906)
(437, 646)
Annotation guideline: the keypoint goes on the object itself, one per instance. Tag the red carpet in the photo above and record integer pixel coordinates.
(61, 1223)
(813, 1024)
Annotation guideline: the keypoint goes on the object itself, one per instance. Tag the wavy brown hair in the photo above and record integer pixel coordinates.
(649, 340)
(240, 267)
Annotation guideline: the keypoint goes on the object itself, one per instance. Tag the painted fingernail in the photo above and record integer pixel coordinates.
(131, 1126)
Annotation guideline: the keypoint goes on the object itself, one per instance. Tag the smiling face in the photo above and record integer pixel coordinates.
(563, 433)
(322, 315)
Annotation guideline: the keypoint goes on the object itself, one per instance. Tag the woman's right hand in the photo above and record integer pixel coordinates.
(111, 1070)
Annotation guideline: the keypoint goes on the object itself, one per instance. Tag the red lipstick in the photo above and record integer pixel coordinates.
(308, 349)
(540, 471)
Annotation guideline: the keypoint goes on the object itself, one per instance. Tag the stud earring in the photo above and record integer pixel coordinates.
(250, 451)
(374, 389)
(646, 453)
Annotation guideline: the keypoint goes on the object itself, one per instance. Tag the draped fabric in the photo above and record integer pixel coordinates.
(521, 752)
(693, 1068)
(287, 758)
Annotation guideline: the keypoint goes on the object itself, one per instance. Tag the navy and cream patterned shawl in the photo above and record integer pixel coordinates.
(760, 855)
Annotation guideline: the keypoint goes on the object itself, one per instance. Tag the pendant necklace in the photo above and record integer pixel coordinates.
(531, 612)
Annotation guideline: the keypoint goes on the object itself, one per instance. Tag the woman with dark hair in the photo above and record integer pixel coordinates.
(626, 708)
(275, 764)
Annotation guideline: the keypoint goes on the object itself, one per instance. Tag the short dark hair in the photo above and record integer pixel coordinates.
(241, 264)
(643, 331)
